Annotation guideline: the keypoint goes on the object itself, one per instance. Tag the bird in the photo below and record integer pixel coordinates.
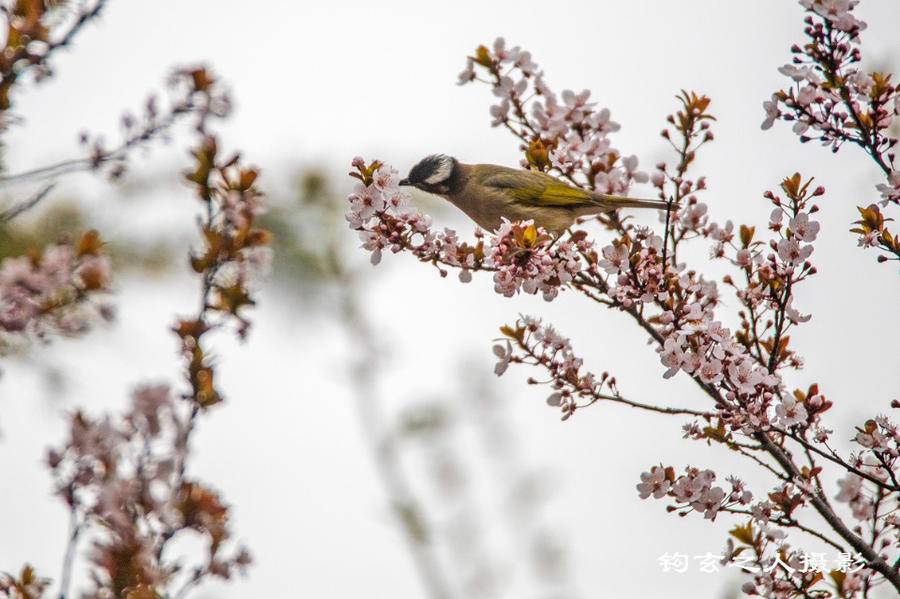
(488, 193)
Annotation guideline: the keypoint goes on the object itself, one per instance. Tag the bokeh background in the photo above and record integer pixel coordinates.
(362, 386)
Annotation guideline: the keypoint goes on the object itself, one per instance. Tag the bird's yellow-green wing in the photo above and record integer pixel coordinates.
(531, 188)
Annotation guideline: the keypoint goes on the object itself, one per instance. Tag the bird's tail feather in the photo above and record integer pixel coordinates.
(611, 202)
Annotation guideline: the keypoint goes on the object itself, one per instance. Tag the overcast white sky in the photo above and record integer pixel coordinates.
(320, 82)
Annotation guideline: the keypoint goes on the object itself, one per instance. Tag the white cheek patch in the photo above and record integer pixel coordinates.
(442, 173)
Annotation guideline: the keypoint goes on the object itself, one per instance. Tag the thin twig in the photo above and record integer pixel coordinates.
(73, 165)
(806, 445)
(666, 234)
(791, 523)
(14, 211)
(190, 583)
(69, 556)
(650, 407)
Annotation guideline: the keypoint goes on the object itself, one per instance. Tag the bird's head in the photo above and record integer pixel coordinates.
(433, 174)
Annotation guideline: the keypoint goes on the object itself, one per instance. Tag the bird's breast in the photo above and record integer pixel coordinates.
(485, 207)
(488, 209)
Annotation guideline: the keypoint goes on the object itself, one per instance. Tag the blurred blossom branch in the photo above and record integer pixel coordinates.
(124, 478)
(57, 290)
(742, 372)
(107, 468)
(35, 30)
(194, 92)
(316, 247)
(14, 211)
(383, 444)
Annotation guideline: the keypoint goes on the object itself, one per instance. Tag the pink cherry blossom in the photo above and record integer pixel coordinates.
(711, 371)
(790, 413)
(890, 191)
(653, 483)
(792, 252)
(772, 112)
(744, 376)
(55, 292)
(803, 228)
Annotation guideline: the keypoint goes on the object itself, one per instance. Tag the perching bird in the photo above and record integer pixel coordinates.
(487, 192)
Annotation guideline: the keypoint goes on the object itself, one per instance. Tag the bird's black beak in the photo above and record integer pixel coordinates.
(405, 182)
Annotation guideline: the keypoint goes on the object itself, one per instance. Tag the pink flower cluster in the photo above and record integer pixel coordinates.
(637, 265)
(879, 438)
(540, 344)
(851, 493)
(792, 251)
(780, 571)
(125, 479)
(693, 340)
(704, 348)
(379, 210)
(770, 278)
(836, 12)
(890, 191)
(834, 101)
(834, 114)
(528, 259)
(693, 491)
(515, 56)
(53, 292)
(572, 131)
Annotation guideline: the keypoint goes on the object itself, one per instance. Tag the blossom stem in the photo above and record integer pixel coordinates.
(864, 140)
(666, 234)
(810, 447)
(887, 467)
(90, 162)
(190, 583)
(653, 408)
(595, 396)
(820, 504)
(69, 556)
(14, 211)
(792, 523)
(768, 467)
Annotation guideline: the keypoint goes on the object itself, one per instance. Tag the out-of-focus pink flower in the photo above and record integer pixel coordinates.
(55, 292)
(836, 11)
(772, 112)
(504, 354)
(803, 73)
(890, 191)
(851, 492)
(467, 74)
